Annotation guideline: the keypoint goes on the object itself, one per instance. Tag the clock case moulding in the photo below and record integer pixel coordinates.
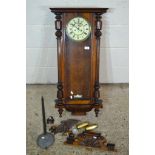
(78, 68)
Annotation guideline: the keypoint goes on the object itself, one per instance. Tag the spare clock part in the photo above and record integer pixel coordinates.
(64, 126)
(50, 120)
(45, 139)
(82, 125)
(91, 127)
(78, 32)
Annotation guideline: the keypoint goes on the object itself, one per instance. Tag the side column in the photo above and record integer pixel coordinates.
(98, 33)
(58, 33)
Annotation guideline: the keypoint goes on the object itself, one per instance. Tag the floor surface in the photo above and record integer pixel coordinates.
(112, 120)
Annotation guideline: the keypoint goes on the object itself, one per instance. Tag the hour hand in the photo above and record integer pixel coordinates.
(77, 27)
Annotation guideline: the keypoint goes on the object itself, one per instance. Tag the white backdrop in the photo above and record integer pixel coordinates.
(41, 58)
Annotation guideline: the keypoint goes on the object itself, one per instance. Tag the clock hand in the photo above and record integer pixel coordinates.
(73, 24)
(78, 21)
(77, 27)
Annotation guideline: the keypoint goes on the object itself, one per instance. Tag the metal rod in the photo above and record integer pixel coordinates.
(43, 115)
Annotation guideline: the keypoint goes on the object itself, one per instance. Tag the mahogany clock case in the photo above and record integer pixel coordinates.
(78, 62)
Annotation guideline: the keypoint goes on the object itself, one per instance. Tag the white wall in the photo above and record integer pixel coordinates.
(41, 41)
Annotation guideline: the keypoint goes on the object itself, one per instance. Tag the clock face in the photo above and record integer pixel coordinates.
(78, 29)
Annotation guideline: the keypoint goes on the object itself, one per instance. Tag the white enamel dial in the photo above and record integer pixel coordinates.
(78, 29)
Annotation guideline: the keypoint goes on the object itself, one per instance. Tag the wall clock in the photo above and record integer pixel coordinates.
(78, 32)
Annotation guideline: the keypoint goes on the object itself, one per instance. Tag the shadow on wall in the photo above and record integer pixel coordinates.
(47, 73)
(106, 73)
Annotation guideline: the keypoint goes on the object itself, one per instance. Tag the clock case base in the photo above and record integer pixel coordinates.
(79, 109)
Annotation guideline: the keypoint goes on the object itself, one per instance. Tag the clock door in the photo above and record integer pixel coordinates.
(77, 62)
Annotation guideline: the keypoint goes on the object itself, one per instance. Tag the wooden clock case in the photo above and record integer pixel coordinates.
(78, 62)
